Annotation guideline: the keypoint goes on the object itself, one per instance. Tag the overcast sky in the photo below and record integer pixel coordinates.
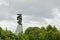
(35, 13)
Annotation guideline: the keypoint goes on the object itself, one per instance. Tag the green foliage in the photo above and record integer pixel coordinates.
(58, 35)
(32, 33)
(49, 27)
(50, 36)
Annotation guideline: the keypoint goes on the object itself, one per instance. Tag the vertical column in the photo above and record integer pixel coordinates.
(19, 27)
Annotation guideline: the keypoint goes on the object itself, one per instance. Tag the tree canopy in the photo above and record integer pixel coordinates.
(32, 33)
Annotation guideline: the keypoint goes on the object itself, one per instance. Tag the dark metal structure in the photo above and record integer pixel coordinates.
(19, 18)
(19, 28)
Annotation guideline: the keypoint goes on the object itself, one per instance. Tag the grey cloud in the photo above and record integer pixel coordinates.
(42, 8)
(38, 8)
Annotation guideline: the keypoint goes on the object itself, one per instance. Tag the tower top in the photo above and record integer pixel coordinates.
(19, 14)
(19, 18)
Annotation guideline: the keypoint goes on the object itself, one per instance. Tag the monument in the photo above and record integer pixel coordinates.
(19, 27)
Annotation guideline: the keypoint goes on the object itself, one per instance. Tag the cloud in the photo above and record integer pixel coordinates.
(3, 2)
(10, 25)
(32, 21)
(56, 20)
(35, 12)
(32, 7)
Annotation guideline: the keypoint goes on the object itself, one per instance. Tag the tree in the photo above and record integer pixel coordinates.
(54, 29)
(33, 33)
(25, 37)
(49, 27)
(20, 36)
(42, 33)
(50, 36)
(58, 35)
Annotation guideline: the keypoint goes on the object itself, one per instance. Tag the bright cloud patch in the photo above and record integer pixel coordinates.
(3, 2)
(56, 20)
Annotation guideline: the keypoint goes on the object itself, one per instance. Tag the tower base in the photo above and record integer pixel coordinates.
(19, 29)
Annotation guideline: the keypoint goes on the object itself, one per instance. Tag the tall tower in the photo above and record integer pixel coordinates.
(19, 27)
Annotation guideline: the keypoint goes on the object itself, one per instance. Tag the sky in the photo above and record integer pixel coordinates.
(34, 13)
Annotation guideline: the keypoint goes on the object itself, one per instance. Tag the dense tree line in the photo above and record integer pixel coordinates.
(32, 33)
